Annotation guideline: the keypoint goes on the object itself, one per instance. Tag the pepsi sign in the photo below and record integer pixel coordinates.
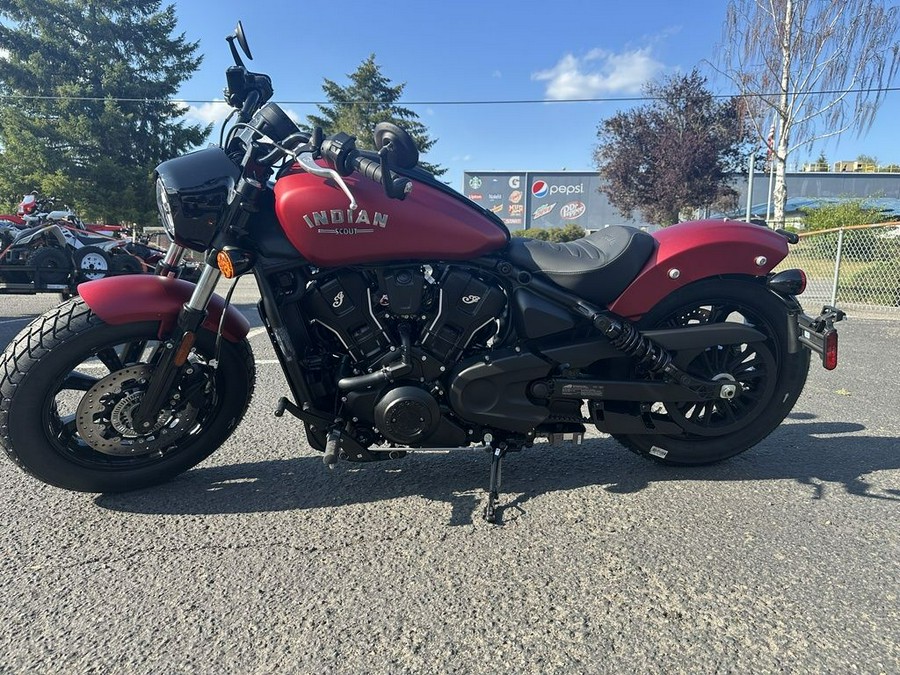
(541, 189)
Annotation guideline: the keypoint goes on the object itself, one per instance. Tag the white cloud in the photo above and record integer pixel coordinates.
(215, 112)
(599, 73)
(4, 53)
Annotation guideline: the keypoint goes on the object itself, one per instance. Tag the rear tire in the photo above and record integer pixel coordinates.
(771, 379)
(46, 377)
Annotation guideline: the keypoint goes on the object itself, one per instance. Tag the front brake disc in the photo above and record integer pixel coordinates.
(104, 418)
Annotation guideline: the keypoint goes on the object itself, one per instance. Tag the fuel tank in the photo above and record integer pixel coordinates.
(429, 224)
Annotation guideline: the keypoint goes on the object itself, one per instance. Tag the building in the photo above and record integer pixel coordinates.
(525, 199)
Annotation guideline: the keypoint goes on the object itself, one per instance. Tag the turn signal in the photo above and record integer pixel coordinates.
(233, 262)
(789, 282)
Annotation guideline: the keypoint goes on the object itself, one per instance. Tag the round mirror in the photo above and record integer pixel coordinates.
(404, 153)
(242, 40)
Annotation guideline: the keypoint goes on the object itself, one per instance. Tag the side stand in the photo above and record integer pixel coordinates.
(490, 511)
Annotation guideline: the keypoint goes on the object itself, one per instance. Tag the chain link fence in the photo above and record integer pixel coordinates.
(852, 267)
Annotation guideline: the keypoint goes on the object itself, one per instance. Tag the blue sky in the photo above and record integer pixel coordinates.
(488, 50)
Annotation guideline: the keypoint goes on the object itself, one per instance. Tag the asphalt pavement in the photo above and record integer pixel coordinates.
(786, 558)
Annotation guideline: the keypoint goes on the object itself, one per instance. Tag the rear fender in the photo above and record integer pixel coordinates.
(134, 298)
(696, 250)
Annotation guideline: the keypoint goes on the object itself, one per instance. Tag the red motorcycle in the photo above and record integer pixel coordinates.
(404, 316)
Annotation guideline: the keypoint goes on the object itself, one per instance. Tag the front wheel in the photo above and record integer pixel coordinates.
(768, 378)
(70, 384)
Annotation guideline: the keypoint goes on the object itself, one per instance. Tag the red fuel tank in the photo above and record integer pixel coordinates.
(428, 225)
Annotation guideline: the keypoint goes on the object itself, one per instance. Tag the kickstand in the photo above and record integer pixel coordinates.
(490, 511)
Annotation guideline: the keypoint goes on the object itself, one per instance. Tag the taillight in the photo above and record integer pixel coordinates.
(830, 355)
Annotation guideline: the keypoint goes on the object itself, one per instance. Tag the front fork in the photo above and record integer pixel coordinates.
(178, 345)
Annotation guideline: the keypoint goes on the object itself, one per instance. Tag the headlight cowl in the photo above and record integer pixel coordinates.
(192, 194)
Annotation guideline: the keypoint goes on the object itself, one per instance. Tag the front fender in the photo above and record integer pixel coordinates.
(696, 250)
(132, 298)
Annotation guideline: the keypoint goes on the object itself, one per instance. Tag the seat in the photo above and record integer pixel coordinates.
(597, 267)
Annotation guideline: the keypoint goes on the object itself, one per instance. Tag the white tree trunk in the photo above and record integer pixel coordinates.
(784, 116)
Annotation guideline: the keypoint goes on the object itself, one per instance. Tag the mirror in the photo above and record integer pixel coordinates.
(242, 40)
(404, 153)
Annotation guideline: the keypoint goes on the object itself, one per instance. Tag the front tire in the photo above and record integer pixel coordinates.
(69, 383)
(770, 379)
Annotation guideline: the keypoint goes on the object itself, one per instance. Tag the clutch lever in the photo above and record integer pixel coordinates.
(308, 163)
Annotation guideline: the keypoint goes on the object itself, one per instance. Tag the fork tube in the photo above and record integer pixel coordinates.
(204, 289)
(170, 263)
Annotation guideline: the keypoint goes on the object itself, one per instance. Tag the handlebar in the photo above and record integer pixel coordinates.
(341, 151)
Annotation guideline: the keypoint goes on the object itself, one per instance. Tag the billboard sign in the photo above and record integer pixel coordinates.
(526, 199)
(502, 193)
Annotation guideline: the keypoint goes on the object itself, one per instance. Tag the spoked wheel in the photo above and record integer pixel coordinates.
(71, 385)
(769, 379)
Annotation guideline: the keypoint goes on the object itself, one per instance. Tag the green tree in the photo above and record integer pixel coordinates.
(370, 98)
(86, 112)
(672, 154)
(861, 245)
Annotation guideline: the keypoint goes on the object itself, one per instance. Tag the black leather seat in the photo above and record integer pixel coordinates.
(597, 267)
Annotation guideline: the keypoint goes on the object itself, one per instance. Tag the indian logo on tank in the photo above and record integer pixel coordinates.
(327, 222)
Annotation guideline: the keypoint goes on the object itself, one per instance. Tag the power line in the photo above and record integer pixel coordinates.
(523, 101)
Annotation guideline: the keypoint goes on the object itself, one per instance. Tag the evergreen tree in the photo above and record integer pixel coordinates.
(367, 100)
(64, 128)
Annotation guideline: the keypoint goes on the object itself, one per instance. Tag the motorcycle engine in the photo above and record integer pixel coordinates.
(365, 314)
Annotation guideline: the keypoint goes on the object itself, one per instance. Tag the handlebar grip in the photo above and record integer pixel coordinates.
(367, 167)
(249, 106)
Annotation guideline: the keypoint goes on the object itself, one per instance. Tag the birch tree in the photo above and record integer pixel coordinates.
(819, 68)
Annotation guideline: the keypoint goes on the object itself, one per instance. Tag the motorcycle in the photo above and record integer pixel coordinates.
(405, 318)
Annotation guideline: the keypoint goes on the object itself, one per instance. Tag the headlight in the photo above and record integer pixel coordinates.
(165, 209)
(192, 195)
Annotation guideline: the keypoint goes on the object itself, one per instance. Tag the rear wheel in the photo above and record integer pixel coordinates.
(70, 385)
(769, 379)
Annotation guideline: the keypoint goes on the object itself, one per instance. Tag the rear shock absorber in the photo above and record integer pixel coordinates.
(628, 340)
(623, 335)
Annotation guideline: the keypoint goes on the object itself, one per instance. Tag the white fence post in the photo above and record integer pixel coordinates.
(837, 266)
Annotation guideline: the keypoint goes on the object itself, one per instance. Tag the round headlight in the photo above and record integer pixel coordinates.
(165, 209)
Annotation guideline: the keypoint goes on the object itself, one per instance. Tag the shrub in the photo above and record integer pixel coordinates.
(557, 235)
(877, 284)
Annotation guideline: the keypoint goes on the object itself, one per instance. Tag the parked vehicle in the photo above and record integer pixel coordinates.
(404, 316)
(94, 255)
(35, 255)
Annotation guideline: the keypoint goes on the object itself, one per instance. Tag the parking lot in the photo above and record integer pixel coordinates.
(786, 558)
